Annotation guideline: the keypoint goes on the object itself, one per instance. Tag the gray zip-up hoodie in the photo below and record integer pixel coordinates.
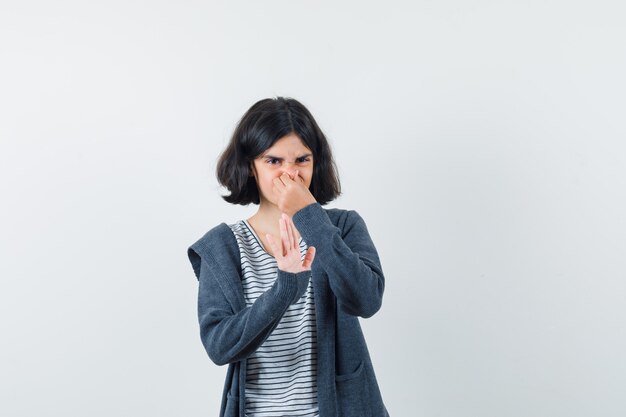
(348, 282)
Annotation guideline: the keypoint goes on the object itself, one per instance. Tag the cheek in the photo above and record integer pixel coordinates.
(268, 182)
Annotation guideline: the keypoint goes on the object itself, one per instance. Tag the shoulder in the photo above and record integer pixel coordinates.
(353, 228)
(217, 236)
(217, 244)
(337, 215)
(344, 219)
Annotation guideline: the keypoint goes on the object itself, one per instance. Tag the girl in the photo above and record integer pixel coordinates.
(280, 293)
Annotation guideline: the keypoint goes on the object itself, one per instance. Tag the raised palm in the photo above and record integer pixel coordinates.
(287, 249)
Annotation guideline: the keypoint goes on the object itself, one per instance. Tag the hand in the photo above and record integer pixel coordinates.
(291, 194)
(287, 250)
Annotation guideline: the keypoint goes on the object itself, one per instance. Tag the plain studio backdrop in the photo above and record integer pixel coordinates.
(483, 143)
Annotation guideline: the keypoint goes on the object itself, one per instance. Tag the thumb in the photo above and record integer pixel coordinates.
(308, 258)
(299, 178)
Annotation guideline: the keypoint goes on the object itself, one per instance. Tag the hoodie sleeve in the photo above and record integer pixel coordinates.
(351, 262)
(228, 335)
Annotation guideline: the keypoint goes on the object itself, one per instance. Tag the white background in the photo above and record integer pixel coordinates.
(483, 143)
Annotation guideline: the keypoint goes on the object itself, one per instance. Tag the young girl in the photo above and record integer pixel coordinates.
(280, 293)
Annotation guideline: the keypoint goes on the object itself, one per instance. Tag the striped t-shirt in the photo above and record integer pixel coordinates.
(281, 375)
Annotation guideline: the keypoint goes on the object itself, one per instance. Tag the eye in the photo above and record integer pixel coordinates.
(299, 160)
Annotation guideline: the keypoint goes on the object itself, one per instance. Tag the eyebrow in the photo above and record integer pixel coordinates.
(282, 159)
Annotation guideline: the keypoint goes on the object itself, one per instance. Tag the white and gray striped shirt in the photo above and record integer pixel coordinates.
(281, 375)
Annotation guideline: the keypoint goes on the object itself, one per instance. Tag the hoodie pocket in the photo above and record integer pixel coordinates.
(232, 406)
(351, 393)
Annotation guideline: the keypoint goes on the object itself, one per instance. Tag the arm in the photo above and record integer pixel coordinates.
(230, 336)
(351, 263)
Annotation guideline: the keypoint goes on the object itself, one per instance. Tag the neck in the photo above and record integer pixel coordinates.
(267, 217)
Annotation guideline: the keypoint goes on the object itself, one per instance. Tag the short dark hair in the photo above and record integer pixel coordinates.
(260, 127)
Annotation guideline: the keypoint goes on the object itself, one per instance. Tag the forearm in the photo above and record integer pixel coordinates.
(229, 337)
(351, 263)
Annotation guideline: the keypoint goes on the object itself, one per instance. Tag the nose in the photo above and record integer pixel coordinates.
(291, 172)
(289, 169)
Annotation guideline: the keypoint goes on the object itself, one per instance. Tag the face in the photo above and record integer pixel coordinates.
(288, 154)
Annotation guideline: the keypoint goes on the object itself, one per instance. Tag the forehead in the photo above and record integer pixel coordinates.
(290, 145)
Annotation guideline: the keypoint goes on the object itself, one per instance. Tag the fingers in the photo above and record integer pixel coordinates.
(295, 236)
(270, 240)
(288, 225)
(295, 230)
(292, 231)
(279, 184)
(284, 179)
(290, 239)
(284, 235)
(283, 182)
(297, 178)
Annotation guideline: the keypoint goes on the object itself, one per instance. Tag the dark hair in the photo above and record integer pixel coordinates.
(260, 127)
